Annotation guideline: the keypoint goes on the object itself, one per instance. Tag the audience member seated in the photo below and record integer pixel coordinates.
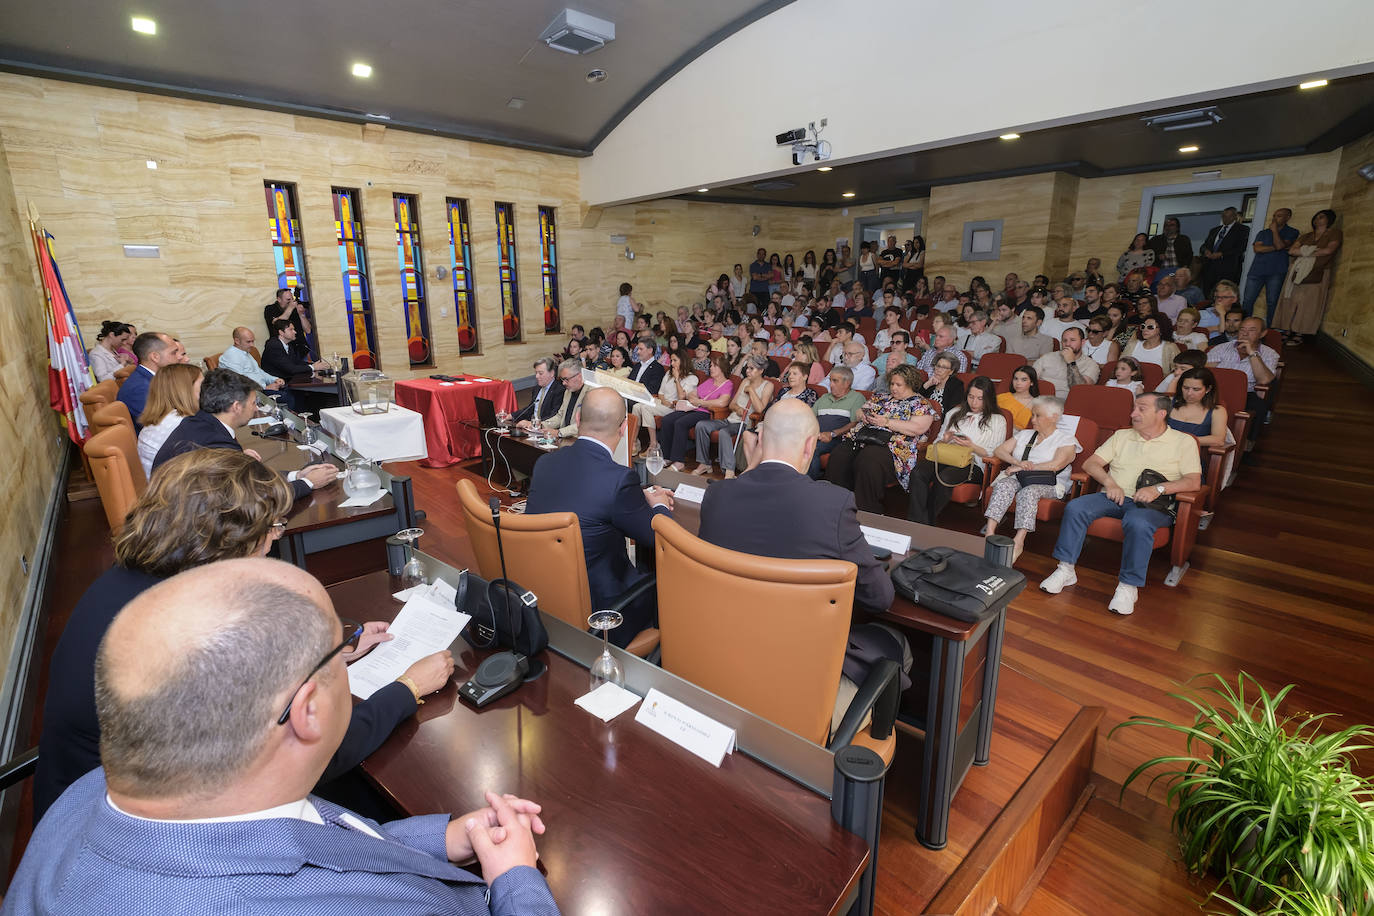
(1030, 343)
(1025, 388)
(754, 395)
(781, 344)
(563, 421)
(239, 357)
(1117, 466)
(1099, 346)
(942, 387)
(1167, 300)
(892, 321)
(807, 356)
(981, 341)
(760, 349)
(1005, 322)
(1069, 365)
(222, 698)
(837, 411)
(976, 424)
(1186, 334)
(1037, 463)
(1153, 343)
(105, 357)
(617, 363)
(279, 356)
(1257, 361)
(1091, 304)
(881, 450)
(586, 480)
(897, 355)
(714, 392)
(1184, 287)
(1128, 374)
(210, 505)
(677, 386)
(1188, 359)
(548, 395)
(1062, 319)
(154, 350)
(865, 377)
(648, 371)
(942, 341)
(227, 403)
(1198, 411)
(774, 510)
(1229, 330)
(1122, 331)
(793, 388)
(173, 396)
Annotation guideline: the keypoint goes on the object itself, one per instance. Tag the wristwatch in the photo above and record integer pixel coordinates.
(1159, 488)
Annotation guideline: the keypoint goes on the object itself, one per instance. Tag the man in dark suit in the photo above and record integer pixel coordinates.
(610, 506)
(547, 397)
(226, 404)
(1224, 251)
(278, 356)
(288, 307)
(204, 798)
(647, 371)
(154, 350)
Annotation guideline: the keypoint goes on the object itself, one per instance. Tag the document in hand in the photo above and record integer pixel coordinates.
(631, 391)
(424, 626)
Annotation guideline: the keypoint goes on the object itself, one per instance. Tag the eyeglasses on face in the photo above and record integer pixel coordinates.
(353, 632)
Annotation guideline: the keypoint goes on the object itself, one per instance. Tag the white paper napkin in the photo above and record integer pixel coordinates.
(607, 701)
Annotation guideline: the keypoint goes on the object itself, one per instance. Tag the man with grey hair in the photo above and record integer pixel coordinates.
(981, 341)
(942, 342)
(855, 358)
(837, 412)
(548, 396)
(563, 421)
(222, 696)
(1117, 464)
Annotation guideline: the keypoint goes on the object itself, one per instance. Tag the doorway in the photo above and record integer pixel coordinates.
(877, 228)
(1198, 204)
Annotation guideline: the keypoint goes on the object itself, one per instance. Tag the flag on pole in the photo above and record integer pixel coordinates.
(68, 372)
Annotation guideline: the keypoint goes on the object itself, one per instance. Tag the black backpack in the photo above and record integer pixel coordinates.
(956, 583)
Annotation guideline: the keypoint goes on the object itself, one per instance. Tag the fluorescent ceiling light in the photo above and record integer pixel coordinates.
(1185, 120)
(363, 70)
(144, 25)
(702, 190)
(825, 168)
(847, 194)
(1010, 137)
(1312, 84)
(1187, 149)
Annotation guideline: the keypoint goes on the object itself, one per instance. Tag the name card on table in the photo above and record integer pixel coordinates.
(690, 493)
(684, 726)
(887, 540)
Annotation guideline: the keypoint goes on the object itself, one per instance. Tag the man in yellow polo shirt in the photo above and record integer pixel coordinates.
(717, 340)
(1149, 443)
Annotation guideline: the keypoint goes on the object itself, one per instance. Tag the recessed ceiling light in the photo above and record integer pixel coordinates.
(152, 163)
(1009, 137)
(144, 25)
(516, 103)
(1312, 84)
(1187, 149)
(702, 190)
(847, 194)
(825, 168)
(596, 76)
(362, 70)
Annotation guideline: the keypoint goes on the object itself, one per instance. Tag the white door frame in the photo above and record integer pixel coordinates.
(1261, 184)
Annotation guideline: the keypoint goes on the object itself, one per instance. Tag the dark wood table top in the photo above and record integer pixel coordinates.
(688, 514)
(635, 823)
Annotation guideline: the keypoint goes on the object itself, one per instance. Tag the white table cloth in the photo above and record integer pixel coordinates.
(397, 435)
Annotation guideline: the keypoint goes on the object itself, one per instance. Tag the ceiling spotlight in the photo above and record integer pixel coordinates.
(1009, 137)
(1312, 84)
(702, 190)
(596, 76)
(847, 194)
(362, 70)
(152, 163)
(1187, 149)
(144, 25)
(825, 168)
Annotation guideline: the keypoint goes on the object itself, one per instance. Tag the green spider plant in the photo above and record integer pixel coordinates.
(1265, 801)
(1299, 900)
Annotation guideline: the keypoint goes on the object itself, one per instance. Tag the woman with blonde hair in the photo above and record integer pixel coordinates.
(173, 395)
(805, 353)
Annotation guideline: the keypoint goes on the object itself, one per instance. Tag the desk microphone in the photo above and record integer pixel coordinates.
(501, 673)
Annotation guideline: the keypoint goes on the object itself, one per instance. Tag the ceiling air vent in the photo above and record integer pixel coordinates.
(1185, 120)
(773, 184)
(577, 33)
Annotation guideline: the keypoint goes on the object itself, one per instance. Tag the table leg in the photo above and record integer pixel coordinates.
(942, 724)
(991, 665)
(856, 804)
(292, 549)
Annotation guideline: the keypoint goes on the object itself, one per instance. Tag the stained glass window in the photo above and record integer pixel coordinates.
(460, 259)
(510, 289)
(412, 264)
(548, 267)
(284, 228)
(348, 230)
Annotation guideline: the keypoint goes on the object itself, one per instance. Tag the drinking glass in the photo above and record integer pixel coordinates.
(413, 573)
(606, 669)
(342, 449)
(308, 434)
(653, 460)
(503, 418)
(278, 412)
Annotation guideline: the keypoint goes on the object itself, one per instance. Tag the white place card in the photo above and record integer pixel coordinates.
(887, 540)
(684, 726)
(260, 421)
(690, 493)
(607, 701)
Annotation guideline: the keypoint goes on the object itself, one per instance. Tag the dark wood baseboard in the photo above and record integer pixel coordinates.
(1347, 358)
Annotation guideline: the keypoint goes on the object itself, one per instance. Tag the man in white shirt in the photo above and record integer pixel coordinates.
(865, 376)
(981, 341)
(1258, 362)
(240, 359)
(1168, 300)
(948, 300)
(1069, 365)
(1030, 343)
(1062, 319)
(837, 296)
(786, 298)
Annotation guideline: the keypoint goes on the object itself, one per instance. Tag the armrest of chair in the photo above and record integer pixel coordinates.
(720, 413)
(19, 768)
(880, 692)
(1263, 390)
(634, 592)
(1081, 483)
(1216, 460)
(1185, 525)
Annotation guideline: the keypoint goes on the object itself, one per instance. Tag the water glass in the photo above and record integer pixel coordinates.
(653, 460)
(413, 573)
(606, 669)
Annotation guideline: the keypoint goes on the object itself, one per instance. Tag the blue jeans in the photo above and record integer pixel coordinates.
(1138, 524)
(1272, 285)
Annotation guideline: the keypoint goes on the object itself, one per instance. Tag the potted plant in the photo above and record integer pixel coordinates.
(1269, 803)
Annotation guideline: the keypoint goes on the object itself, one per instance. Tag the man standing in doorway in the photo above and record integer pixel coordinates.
(1224, 251)
(1172, 249)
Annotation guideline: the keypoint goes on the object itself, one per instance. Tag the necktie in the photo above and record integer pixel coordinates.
(1222, 234)
(539, 401)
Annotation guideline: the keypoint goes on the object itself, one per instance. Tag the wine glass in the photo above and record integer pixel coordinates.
(653, 460)
(308, 434)
(341, 448)
(503, 419)
(606, 669)
(413, 573)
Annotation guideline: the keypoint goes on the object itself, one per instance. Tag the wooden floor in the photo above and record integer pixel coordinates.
(1280, 587)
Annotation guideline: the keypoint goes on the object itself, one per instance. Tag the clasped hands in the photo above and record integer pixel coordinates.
(501, 835)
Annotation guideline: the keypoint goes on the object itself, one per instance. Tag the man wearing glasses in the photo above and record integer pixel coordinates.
(564, 421)
(222, 697)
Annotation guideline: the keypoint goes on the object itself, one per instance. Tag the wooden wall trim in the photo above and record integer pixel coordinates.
(1348, 358)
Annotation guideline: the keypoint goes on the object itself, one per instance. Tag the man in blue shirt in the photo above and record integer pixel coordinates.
(1270, 263)
(759, 272)
(240, 359)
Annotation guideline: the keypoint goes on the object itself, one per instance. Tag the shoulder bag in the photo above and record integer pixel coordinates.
(956, 583)
(1035, 478)
(1166, 503)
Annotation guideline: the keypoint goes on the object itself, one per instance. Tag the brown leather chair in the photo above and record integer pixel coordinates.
(797, 610)
(212, 362)
(1109, 408)
(122, 374)
(544, 554)
(115, 413)
(999, 367)
(257, 357)
(113, 455)
(98, 395)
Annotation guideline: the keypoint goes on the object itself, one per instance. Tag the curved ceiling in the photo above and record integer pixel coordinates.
(443, 66)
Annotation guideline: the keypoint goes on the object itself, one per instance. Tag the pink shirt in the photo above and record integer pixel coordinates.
(709, 390)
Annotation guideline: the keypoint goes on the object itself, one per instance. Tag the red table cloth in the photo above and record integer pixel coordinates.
(450, 415)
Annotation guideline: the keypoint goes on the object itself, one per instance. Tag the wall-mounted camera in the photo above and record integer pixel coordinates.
(807, 145)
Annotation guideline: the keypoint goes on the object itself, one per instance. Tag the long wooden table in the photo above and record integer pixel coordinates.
(636, 824)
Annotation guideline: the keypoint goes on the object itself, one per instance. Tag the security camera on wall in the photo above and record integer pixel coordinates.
(807, 145)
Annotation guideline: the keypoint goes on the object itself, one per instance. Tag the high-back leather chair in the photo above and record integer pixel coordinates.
(766, 634)
(1109, 408)
(257, 356)
(1232, 389)
(999, 367)
(122, 374)
(119, 477)
(115, 413)
(1152, 376)
(544, 554)
(212, 362)
(98, 395)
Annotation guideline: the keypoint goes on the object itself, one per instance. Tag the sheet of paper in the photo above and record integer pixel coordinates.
(607, 701)
(423, 627)
(364, 500)
(690, 493)
(440, 591)
(681, 724)
(260, 421)
(887, 540)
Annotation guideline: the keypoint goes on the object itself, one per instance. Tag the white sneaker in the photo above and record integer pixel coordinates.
(1123, 601)
(1062, 577)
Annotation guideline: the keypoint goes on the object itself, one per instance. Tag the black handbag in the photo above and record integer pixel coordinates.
(506, 616)
(1035, 478)
(1166, 502)
(872, 435)
(956, 583)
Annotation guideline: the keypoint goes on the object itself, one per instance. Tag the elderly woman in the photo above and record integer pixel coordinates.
(881, 449)
(678, 384)
(943, 387)
(207, 505)
(754, 395)
(694, 409)
(1300, 307)
(976, 424)
(1038, 462)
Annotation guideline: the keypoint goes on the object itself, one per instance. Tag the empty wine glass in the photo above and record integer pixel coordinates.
(308, 434)
(278, 413)
(503, 419)
(606, 669)
(413, 573)
(653, 460)
(342, 449)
